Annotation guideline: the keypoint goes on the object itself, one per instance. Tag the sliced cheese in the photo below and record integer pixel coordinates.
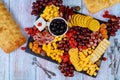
(99, 51)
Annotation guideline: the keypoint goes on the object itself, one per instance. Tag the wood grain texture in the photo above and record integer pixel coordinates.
(4, 58)
(4, 66)
(20, 62)
(18, 65)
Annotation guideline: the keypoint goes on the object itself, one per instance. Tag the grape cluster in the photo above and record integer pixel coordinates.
(66, 69)
(64, 45)
(66, 66)
(83, 38)
(113, 25)
(39, 5)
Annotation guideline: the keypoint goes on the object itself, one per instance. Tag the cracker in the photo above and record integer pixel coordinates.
(11, 36)
(86, 19)
(75, 19)
(94, 25)
(96, 5)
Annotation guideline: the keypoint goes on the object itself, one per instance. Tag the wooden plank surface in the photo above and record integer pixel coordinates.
(4, 58)
(21, 63)
(18, 65)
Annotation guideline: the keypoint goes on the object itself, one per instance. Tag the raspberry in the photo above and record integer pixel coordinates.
(26, 29)
(23, 48)
(104, 58)
(106, 12)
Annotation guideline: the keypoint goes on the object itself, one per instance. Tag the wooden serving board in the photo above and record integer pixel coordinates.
(28, 50)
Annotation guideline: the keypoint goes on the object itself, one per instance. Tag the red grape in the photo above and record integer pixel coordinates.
(66, 69)
(39, 5)
(113, 23)
(83, 37)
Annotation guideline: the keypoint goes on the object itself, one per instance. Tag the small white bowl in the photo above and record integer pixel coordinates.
(54, 19)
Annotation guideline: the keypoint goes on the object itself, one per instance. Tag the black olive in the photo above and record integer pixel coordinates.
(58, 26)
(61, 31)
(53, 29)
(62, 27)
(54, 24)
(57, 32)
(58, 21)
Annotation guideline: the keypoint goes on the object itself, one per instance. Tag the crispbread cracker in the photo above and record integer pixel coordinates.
(10, 35)
(96, 5)
(99, 51)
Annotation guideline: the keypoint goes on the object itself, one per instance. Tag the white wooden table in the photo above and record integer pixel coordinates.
(18, 65)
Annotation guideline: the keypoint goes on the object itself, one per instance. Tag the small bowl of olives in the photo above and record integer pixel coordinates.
(58, 26)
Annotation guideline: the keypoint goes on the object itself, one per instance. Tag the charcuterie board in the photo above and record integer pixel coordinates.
(28, 50)
(75, 41)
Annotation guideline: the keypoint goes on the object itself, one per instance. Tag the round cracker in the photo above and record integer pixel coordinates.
(94, 25)
(74, 19)
(83, 25)
(81, 20)
(74, 61)
(69, 24)
(73, 50)
(72, 23)
(77, 19)
(86, 20)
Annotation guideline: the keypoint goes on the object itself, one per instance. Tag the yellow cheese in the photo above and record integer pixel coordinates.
(99, 51)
